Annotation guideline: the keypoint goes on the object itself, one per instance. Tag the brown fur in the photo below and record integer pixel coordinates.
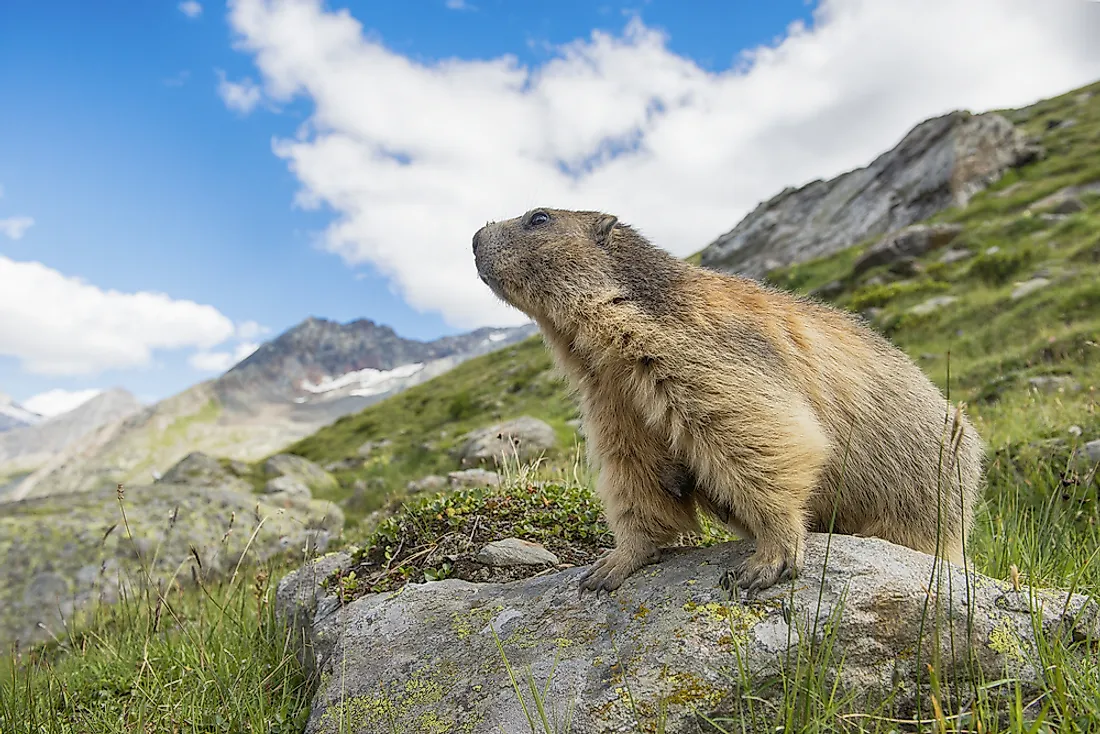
(700, 390)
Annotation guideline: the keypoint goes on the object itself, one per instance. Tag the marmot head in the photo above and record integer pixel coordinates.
(552, 262)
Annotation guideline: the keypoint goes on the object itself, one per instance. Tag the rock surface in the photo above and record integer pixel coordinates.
(62, 555)
(1026, 288)
(940, 163)
(426, 656)
(288, 488)
(524, 437)
(900, 247)
(515, 552)
(473, 478)
(199, 470)
(303, 470)
(935, 303)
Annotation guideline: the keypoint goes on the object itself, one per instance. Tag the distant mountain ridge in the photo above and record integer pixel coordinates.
(13, 415)
(291, 386)
(33, 445)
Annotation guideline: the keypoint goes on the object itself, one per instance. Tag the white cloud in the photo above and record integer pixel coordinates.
(414, 157)
(458, 5)
(250, 330)
(242, 96)
(58, 401)
(190, 8)
(221, 361)
(15, 227)
(57, 324)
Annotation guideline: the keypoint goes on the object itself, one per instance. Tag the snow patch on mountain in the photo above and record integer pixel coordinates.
(365, 382)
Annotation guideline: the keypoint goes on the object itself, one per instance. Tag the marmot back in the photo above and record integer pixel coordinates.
(703, 391)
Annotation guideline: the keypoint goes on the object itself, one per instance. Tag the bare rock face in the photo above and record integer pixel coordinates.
(942, 162)
(670, 636)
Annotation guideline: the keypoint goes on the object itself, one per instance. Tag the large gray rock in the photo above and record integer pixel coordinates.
(64, 554)
(942, 162)
(288, 488)
(524, 437)
(201, 470)
(301, 469)
(427, 653)
(905, 244)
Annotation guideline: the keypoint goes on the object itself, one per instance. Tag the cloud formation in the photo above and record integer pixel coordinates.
(242, 96)
(58, 401)
(412, 157)
(190, 8)
(59, 325)
(15, 227)
(221, 361)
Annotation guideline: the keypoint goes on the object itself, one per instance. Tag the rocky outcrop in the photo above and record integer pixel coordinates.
(668, 638)
(525, 438)
(907, 243)
(201, 470)
(64, 555)
(942, 162)
(301, 469)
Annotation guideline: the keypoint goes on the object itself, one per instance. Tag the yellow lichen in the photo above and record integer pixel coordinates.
(1005, 640)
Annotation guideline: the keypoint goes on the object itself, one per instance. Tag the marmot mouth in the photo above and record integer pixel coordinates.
(493, 283)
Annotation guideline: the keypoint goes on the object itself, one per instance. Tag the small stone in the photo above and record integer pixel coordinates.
(1092, 451)
(515, 552)
(932, 304)
(473, 478)
(430, 483)
(829, 290)
(1053, 383)
(992, 250)
(1026, 288)
(953, 255)
(343, 465)
(367, 449)
(908, 267)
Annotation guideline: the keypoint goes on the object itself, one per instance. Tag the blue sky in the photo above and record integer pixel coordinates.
(139, 176)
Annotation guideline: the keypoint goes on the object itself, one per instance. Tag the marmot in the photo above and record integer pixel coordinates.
(699, 390)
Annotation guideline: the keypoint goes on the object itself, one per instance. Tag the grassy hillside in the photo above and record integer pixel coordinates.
(1028, 366)
(426, 422)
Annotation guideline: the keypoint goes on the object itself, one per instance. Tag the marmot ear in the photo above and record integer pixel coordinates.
(604, 225)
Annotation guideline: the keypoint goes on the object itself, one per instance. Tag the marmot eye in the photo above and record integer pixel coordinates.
(539, 218)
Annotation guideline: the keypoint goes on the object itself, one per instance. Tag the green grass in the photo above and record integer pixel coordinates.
(168, 657)
(215, 659)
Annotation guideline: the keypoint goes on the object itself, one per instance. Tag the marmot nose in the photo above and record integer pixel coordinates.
(477, 240)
